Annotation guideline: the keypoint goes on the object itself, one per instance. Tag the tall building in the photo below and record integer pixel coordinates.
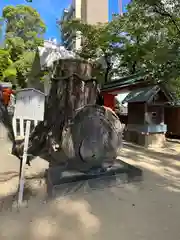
(117, 7)
(89, 11)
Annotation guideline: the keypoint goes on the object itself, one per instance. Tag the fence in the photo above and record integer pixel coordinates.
(19, 126)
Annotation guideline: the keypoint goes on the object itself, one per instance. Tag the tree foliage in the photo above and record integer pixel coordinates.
(145, 38)
(1, 30)
(24, 22)
(157, 35)
(97, 41)
(5, 61)
(157, 28)
(23, 34)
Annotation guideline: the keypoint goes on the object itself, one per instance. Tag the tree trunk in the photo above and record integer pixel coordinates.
(74, 129)
(108, 67)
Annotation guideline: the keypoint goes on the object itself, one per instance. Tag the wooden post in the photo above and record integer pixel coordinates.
(21, 127)
(21, 181)
(35, 123)
(14, 124)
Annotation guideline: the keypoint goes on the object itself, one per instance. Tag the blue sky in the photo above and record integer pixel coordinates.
(50, 10)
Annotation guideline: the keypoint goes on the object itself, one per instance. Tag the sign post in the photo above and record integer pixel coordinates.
(24, 160)
(29, 106)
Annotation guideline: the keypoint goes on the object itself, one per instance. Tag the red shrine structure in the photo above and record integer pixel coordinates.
(111, 89)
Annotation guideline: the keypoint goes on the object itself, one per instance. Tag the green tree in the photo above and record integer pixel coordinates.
(97, 42)
(1, 30)
(5, 63)
(24, 33)
(24, 22)
(145, 38)
(153, 29)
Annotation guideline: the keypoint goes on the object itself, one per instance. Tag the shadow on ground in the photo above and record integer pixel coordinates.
(163, 164)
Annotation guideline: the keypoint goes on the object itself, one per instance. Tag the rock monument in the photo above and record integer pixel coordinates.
(76, 132)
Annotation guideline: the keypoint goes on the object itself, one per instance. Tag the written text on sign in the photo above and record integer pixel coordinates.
(30, 105)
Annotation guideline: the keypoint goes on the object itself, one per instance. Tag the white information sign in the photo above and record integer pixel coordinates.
(30, 105)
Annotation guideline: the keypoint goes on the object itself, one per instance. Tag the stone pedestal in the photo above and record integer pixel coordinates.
(148, 140)
(61, 181)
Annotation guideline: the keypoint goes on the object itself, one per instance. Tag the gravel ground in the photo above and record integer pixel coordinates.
(148, 210)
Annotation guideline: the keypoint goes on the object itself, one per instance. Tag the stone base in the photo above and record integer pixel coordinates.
(149, 140)
(67, 182)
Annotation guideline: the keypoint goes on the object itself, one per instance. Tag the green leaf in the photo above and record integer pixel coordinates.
(24, 33)
(10, 72)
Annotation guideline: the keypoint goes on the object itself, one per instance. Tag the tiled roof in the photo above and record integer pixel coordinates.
(125, 81)
(146, 94)
(141, 94)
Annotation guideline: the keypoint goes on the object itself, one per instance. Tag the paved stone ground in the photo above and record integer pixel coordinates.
(140, 211)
